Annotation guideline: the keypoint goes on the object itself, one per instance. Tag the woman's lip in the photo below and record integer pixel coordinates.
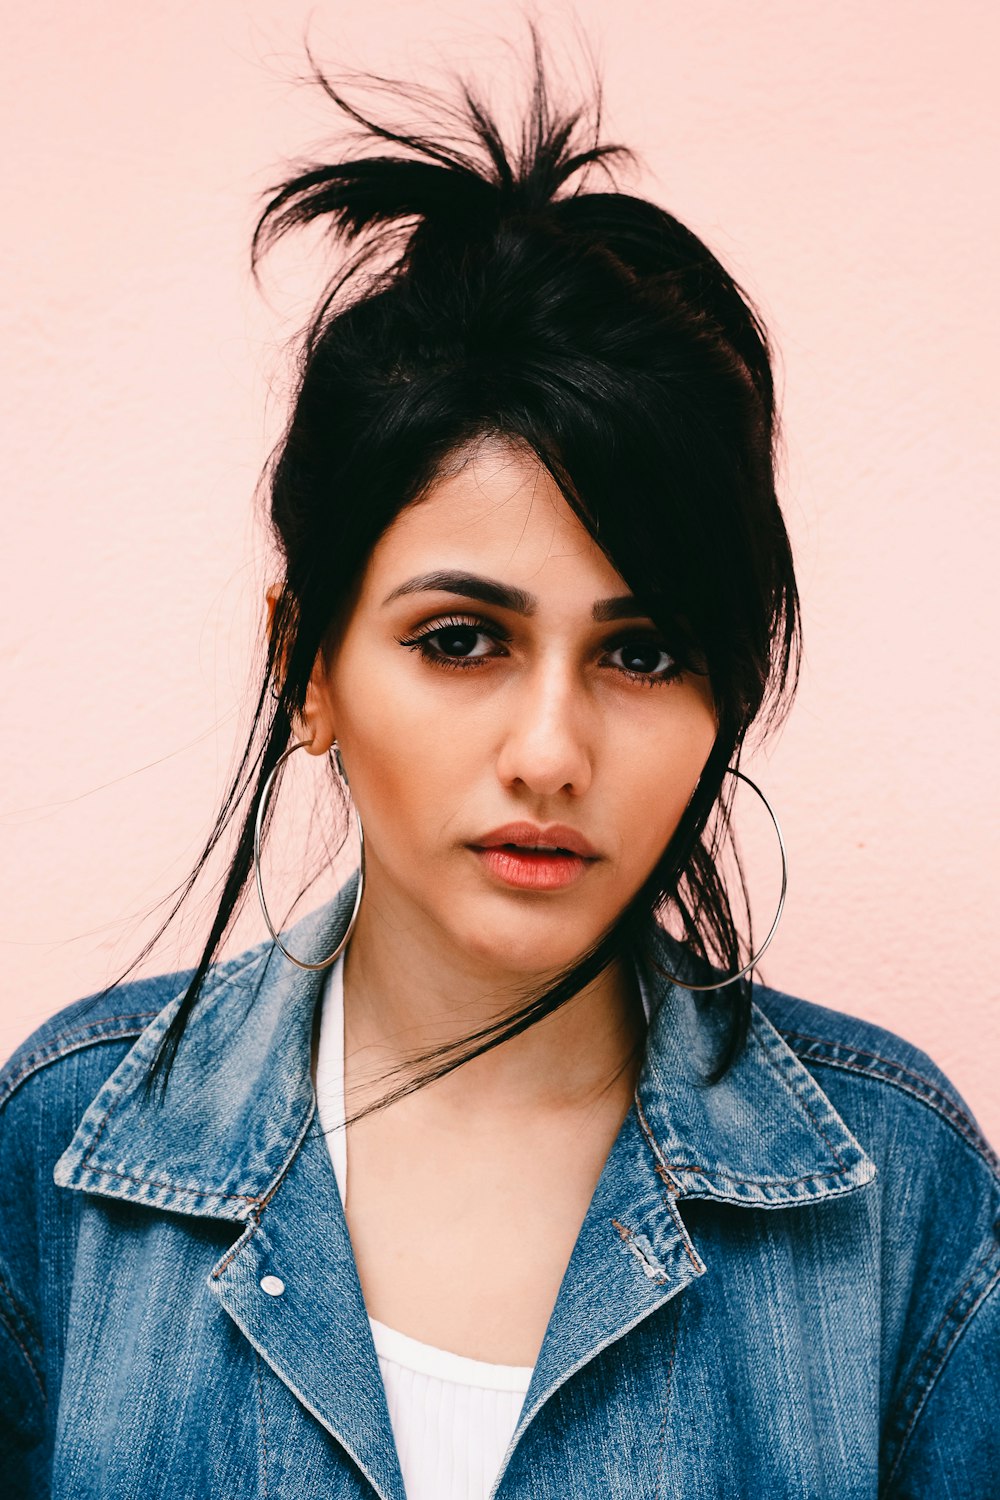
(532, 869)
(554, 836)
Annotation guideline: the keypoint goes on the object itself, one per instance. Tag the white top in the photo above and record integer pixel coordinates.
(452, 1417)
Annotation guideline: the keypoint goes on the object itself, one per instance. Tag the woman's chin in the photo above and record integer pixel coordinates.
(526, 945)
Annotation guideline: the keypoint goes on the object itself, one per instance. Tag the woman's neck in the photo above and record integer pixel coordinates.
(407, 994)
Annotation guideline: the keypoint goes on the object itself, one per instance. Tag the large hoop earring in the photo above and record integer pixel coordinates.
(721, 984)
(265, 792)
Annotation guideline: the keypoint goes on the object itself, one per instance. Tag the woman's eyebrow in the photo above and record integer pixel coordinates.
(469, 586)
(624, 607)
(489, 591)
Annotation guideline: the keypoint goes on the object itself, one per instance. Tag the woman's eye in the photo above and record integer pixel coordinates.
(644, 659)
(455, 644)
(463, 643)
(459, 640)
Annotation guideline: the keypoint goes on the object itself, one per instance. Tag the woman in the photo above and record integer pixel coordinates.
(615, 1224)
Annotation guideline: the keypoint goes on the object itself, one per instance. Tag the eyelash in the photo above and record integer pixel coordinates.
(420, 641)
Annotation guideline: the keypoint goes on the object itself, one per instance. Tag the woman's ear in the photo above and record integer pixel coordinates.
(318, 731)
(270, 600)
(314, 727)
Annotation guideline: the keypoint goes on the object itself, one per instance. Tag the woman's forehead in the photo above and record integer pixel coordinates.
(499, 514)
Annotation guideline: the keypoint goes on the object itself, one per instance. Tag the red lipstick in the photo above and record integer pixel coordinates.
(535, 857)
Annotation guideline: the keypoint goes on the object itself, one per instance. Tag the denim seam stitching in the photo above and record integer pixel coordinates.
(681, 1228)
(662, 1444)
(691, 1166)
(628, 1236)
(252, 1227)
(935, 1099)
(263, 1423)
(89, 1035)
(932, 1378)
(20, 1317)
(820, 1041)
(220, 978)
(265, 1201)
(672, 1188)
(35, 1374)
(170, 1187)
(708, 1172)
(75, 1042)
(801, 1099)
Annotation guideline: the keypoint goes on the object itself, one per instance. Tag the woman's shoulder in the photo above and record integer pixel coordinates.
(931, 1219)
(45, 1088)
(88, 1038)
(876, 1078)
(89, 1035)
(93, 1031)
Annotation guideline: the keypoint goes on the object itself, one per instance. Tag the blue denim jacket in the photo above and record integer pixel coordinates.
(785, 1284)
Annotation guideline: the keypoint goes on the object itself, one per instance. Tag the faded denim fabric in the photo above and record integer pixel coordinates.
(785, 1285)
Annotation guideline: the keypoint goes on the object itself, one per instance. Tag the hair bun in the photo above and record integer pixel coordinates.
(458, 191)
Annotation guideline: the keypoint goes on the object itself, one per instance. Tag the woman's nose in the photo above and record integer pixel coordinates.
(547, 740)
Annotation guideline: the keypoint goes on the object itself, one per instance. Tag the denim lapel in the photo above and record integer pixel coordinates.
(312, 1327)
(765, 1136)
(240, 1098)
(632, 1255)
(240, 1094)
(235, 1137)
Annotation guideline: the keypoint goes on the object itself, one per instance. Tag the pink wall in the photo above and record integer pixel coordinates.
(838, 156)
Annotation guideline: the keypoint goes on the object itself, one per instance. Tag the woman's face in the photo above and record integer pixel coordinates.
(494, 689)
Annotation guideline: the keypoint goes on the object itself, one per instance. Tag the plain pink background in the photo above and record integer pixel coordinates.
(839, 158)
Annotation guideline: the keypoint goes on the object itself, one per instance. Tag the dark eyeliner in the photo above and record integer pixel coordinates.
(655, 642)
(421, 638)
(453, 622)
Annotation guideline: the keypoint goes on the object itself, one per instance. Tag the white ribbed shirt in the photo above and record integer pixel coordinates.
(452, 1417)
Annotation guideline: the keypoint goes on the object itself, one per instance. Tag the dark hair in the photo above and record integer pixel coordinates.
(486, 292)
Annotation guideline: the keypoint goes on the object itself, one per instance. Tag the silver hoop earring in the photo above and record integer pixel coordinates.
(721, 984)
(265, 792)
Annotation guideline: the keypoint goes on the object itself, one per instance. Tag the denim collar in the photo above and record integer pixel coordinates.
(240, 1099)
